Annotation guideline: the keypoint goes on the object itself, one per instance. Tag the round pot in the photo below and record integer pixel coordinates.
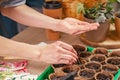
(86, 74)
(52, 9)
(100, 34)
(113, 61)
(80, 48)
(54, 76)
(94, 66)
(98, 58)
(85, 55)
(110, 68)
(70, 68)
(104, 76)
(100, 50)
(114, 53)
(58, 65)
(117, 24)
(81, 62)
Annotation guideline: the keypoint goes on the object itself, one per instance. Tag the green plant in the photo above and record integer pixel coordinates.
(99, 13)
(80, 8)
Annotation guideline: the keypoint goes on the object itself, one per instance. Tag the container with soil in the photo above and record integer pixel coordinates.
(54, 76)
(93, 65)
(85, 55)
(86, 74)
(80, 48)
(110, 68)
(70, 68)
(104, 76)
(100, 50)
(81, 62)
(114, 61)
(58, 65)
(98, 58)
(114, 54)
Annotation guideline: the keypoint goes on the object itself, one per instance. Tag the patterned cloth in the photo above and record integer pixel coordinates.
(11, 3)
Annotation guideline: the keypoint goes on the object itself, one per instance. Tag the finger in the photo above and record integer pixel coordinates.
(63, 61)
(64, 51)
(68, 57)
(67, 47)
(95, 24)
(83, 23)
(79, 32)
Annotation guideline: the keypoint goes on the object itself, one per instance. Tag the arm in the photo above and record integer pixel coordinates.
(27, 16)
(55, 53)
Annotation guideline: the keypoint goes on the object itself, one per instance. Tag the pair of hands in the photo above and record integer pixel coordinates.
(60, 52)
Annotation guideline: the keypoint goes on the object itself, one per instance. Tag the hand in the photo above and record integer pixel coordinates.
(75, 27)
(58, 53)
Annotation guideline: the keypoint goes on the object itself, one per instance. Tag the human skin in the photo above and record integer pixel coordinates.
(55, 53)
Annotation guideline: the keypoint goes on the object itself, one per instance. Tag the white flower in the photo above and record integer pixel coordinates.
(101, 18)
(118, 1)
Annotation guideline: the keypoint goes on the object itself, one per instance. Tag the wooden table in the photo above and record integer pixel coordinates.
(35, 36)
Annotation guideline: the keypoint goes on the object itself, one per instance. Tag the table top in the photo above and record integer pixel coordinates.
(36, 35)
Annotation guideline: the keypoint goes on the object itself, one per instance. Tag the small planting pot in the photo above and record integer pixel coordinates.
(81, 62)
(94, 66)
(114, 54)
(55, 76)
(100, 50)
(58, 65)
(114, 61)
(86, 74)
(80, 48)
(110, 68)
(85, 55)
(104, 76)
(98, 58)
(70, 68)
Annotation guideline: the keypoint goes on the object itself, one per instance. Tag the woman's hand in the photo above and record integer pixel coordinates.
(58, 53)
(74, 26)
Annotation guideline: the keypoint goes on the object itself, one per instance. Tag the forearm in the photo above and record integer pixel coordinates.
(11, 48)
(28, 16)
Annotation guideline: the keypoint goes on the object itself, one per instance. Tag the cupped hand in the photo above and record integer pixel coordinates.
(58, 53)
(75, 27)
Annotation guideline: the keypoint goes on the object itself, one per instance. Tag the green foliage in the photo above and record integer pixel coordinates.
(100, 12)
(80, 8)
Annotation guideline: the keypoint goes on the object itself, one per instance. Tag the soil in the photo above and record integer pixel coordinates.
(101, 51)
(115, 54)
(98, 58)
(70, 69)
(85, 54)
(79, 48)
(103, 77)
(108, 68)
(94, 66)
(114, 61)
(55, 77)
(86, 74)
(58, 65)
(67, 70)
(80, 61)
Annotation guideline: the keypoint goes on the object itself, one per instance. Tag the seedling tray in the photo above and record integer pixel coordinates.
(49, 70)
